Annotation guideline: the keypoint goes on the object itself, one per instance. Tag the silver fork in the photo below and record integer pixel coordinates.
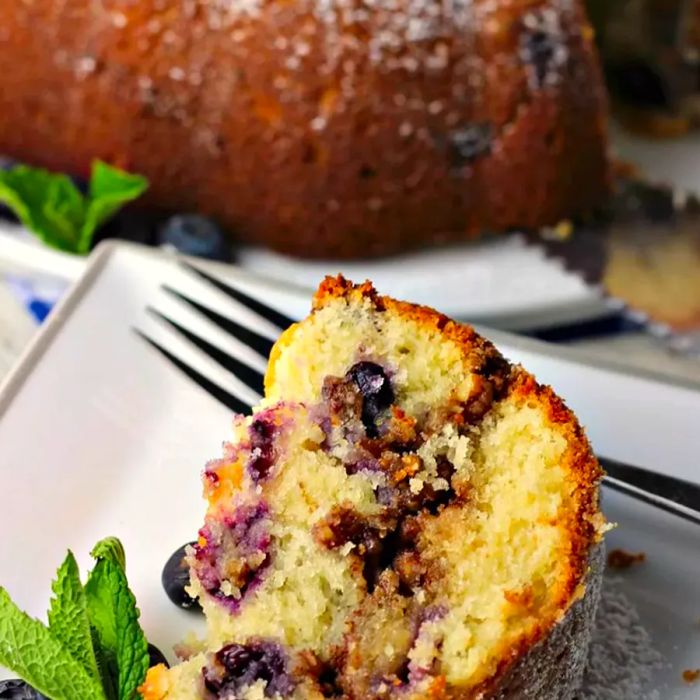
(671, 494)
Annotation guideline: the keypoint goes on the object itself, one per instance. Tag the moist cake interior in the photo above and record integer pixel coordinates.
(405, 515)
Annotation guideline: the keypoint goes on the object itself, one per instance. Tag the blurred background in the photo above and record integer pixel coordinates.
(603, 251)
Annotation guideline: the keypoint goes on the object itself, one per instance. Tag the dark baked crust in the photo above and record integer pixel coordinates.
(318, 128)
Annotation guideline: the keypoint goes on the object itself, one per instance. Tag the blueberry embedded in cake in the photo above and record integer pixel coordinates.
(406, 515)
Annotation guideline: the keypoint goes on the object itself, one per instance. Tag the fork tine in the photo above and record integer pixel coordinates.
(213, 389)
(259, 343)
(275, 317)
(252, 378)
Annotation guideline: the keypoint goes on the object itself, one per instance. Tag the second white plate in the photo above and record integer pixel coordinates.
(501, 282)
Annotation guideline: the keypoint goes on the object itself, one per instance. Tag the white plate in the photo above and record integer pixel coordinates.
(503, 281)
(100, 436)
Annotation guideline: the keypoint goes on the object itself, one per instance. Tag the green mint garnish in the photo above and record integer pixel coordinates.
(110, 548)
(29, 649)
(93, 647)
(68, 616)
(114, 617)
(52, 207)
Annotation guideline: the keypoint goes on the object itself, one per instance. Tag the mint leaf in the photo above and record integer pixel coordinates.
(50, 205)
(68, 617)
(110, 548)
(110, 189)
(28, 649)
(114, 617)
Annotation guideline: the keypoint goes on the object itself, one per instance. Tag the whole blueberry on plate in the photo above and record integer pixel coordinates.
(156, 656)
(176, 577)
(16, 689)
(197, 235)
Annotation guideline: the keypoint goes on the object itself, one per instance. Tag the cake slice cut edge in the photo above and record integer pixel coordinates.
(405, 515)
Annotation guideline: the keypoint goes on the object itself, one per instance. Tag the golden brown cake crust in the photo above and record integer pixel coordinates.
(317, 127)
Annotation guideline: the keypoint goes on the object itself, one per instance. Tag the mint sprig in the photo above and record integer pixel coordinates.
(52, 207)
(110, 548)
(93, 647)
(68, 616)
(114, 617)
(29, 649)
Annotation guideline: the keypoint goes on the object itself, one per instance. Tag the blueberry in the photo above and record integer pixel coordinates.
(372, 382)
(197, 235)
(262, 433)
(537, 49)
(238, 666)
(469, 143)
(175, 578)
(156, 656)
(238, 658)
(16, 689)
(243, 535)
(376, 390)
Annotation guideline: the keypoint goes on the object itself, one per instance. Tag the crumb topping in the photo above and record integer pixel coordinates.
(622, 559)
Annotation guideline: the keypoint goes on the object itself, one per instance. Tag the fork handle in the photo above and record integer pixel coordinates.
(669, 493)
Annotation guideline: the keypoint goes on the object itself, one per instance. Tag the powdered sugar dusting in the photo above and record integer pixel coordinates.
(621, 659)
(340, 40)
(398, 27)
(294, 72)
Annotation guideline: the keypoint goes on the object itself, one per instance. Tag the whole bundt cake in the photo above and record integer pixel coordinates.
(339, 128)
(406, 515)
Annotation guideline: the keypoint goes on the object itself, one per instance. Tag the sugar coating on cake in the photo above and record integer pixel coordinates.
(405, 515)
(321, 128)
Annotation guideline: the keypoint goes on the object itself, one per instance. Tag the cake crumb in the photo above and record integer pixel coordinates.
(347, 548)
(622, 559)
(690, 675)
(416, 485)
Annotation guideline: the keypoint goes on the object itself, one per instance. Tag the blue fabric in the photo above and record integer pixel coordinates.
(38, 296)
(39, 309)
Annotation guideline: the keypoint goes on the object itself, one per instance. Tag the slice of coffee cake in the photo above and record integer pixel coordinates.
(406, 515)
